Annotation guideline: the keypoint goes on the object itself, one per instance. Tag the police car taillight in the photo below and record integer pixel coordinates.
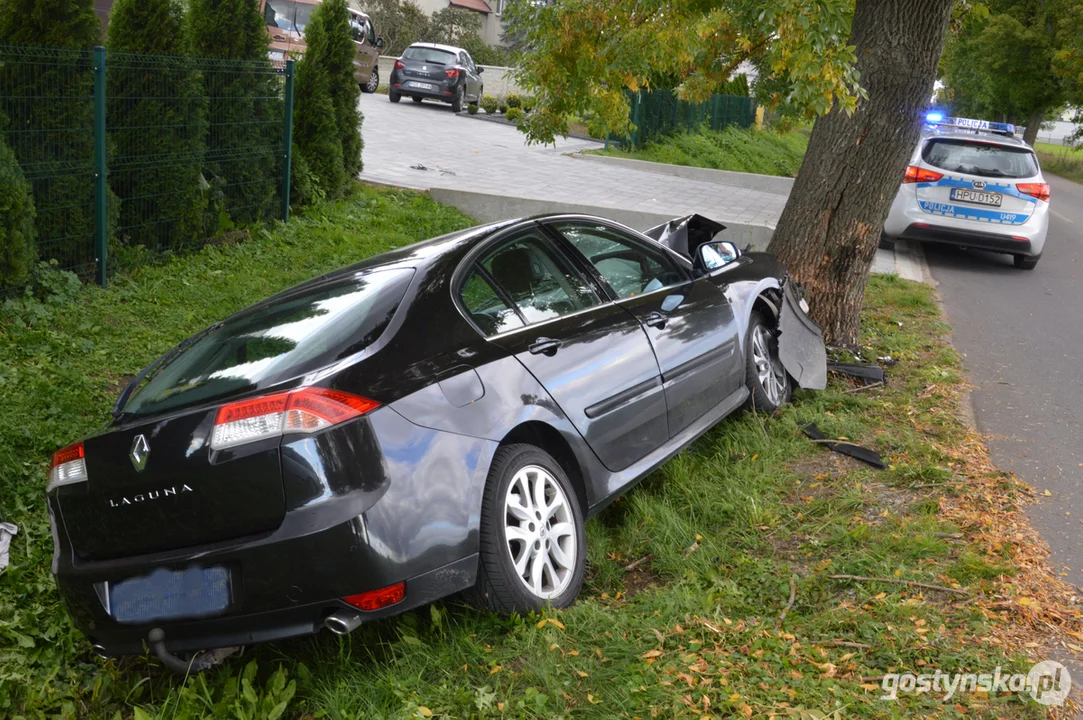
(1036, 190)
(915, 174)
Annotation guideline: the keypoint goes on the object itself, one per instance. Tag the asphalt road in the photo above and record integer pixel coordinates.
(1021, 336)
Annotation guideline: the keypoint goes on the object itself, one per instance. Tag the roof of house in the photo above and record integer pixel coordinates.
(478, 5)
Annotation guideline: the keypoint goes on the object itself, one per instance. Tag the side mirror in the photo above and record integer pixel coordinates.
(480, 69)
(379, 42)
(714, 255)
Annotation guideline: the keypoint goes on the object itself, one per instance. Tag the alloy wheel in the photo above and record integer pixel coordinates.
(769, 370)
(374, 81)
(540, 531)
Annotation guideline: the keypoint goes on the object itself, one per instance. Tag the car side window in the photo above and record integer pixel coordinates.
(468, 61)
(542, 283)
(487, 309)
(629, 266)
(356, 31)
(370, 32)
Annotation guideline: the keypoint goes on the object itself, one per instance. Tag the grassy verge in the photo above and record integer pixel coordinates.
(750, 151)
(1061, 160)
(690, 576)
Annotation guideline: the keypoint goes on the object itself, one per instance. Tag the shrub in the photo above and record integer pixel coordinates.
(514, 114)
(501, 108)
(512, 100)
(246, 105)
(170, 101)
(314, 128)
(472, 109)
(16, 221)
(489, 104)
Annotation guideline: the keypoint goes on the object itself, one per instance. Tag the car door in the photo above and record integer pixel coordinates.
(592, 357)
(470, 82)
(689, 321)
(361, 68)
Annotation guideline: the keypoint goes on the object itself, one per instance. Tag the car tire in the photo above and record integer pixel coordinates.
(393, 96)
(1025, 262)
(374, 81)
(530, 557)
(768, 382)
(457, 101)
(416, 99)
(886, 242)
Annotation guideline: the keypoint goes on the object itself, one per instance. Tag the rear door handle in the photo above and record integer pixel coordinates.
(655, 320)
(545, 346)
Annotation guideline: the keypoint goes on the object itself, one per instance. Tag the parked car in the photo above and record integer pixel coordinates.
(972, 183)
(436, 419)
(286, 21)
(427, 71)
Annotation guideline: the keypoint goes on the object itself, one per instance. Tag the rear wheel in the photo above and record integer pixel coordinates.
(457, 102)
(373, 81)
(767, 380)
(533, 548)
(1025, 262)
(393, 96)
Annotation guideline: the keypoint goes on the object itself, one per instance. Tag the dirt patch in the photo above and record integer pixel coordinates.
(639, 578)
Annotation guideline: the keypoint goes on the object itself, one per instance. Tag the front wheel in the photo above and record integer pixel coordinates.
(533, 547)
(373, 81)
(1025, 262)
(767, 380)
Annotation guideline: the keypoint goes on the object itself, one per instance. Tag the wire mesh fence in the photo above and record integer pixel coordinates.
(125, 154)
(656, 113)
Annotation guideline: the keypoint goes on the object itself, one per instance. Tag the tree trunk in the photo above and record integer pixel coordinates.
(830, 228)
(1034, 124)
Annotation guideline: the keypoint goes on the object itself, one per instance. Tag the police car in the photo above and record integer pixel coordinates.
(972, 183)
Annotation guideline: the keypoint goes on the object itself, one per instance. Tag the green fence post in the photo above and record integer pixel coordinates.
(287, 141)
(635, 119)
(101, 212)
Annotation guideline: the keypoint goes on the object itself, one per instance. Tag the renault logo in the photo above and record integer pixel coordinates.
(140, 452)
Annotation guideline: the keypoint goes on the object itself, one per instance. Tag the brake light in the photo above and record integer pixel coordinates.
(1038, 190)
(301, 411)
(452, 72)
(399, 64)
(376, 599)
(915, 174)
(68, 466)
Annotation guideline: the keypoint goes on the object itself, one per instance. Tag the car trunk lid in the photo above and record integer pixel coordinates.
(423, 70)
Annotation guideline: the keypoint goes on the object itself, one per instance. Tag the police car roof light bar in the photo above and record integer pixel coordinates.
(938, 119)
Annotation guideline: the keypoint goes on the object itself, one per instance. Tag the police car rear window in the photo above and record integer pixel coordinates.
(978, 158)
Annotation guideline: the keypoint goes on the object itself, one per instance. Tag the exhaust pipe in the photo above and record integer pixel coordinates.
(342, 622)
(99, 650)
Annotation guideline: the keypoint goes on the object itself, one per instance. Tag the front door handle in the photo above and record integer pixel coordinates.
(655, 320)
(545, 346)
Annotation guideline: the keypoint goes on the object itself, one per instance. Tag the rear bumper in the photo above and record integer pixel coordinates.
(441, 90)
(968, 238)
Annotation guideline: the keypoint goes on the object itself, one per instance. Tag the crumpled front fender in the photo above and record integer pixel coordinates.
(801, 342)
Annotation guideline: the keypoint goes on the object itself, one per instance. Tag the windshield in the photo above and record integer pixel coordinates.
(288, 15)
(276, 341)
(978, 158)
(430, 55)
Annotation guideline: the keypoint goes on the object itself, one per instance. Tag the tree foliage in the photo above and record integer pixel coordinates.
(244, 109)
(400, 23)
(169, 211)
(16, 220)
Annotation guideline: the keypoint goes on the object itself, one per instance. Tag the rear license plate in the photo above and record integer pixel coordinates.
(195, 592)
(976, 196)
(420, 85)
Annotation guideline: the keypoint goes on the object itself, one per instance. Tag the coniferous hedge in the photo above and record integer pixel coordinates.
(16, 221)
(157, 109)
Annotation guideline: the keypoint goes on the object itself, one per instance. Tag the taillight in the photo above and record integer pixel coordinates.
(1038, 190)
(376, 599)
(68, 467)
(452, 73)
(399, 64)
(915, 174)
(301, 411)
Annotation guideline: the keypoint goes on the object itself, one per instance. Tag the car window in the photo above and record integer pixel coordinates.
(630, 267)
(978, 158)
(371, 32)
(276, 341)
(541, 283)
(486, 308)
(357, 32)
(427, 54)
(468, 61)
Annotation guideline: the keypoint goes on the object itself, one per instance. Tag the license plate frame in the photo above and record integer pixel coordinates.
(977, 197)
(421, 85)
(165, 594)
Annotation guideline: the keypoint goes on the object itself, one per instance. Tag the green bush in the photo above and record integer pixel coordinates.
(16, 221)
(489, 104)
(244, 108)
(314, 128)
(512, 100)
(472, 109)
(514, 114)
(169, 100)
(501, 107)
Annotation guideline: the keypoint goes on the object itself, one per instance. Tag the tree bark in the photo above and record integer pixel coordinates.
(1034, 123)
(830, 228)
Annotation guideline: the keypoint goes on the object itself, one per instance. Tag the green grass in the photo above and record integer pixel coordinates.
(1061, 160)
(750, 151)
(692, 631)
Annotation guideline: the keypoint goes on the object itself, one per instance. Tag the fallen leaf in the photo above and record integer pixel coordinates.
(424, 711)
(649, 654)
(495, 670)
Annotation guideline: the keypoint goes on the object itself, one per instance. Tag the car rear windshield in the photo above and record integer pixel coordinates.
(979, 158)
(429, 55)
(276, 341)
(288, 15)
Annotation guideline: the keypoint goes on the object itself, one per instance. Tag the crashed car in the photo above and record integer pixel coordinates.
(436, 419)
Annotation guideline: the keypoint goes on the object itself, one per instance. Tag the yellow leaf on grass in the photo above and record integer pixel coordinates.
(735, 697)
(424, 711)
(746, 710)
(572, 653)
(870, 686)
(592, 700)
(582, 674)
(652, 654)
(550, 621)
(495, 670)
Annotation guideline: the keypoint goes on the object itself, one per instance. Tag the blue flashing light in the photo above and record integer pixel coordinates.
(934, 117)
(937, 118)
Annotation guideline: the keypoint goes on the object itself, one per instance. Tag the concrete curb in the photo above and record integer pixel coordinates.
(763, 183)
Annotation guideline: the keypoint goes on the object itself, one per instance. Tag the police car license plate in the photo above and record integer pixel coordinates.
(421, 85)
(977, 196)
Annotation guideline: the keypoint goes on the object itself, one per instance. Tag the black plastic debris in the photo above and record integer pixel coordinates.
(842, 447)
(871, 373)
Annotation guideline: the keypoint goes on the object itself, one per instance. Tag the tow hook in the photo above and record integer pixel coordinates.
(200, 661)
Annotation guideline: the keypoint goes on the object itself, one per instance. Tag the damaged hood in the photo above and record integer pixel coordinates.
(685, 234)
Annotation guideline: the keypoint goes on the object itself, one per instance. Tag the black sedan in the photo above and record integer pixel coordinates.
(437, 419)
(427, 71)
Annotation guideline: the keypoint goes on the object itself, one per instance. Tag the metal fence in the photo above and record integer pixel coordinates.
(656, 113)
(126, 151)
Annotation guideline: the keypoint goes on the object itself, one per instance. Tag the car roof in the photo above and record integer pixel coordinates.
(982, 136)
(438, 46)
